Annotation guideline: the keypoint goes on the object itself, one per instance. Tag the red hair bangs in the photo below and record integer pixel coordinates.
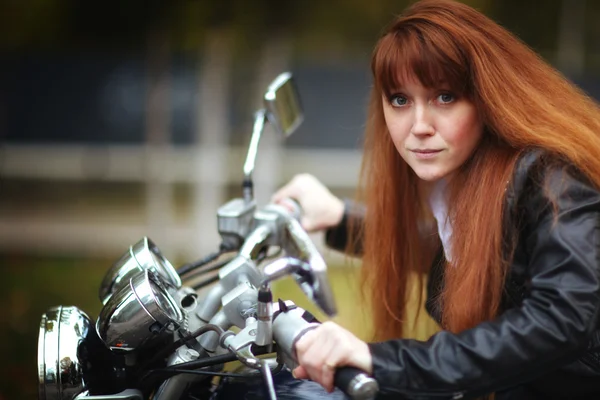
(415, 48)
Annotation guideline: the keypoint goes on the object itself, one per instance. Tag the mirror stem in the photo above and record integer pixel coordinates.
(259, 123)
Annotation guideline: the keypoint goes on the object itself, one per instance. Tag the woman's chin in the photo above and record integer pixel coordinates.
(429, 175)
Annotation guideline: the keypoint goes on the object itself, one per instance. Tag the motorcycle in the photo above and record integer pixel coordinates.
(160, 337)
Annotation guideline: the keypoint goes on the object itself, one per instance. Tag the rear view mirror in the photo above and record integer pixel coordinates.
(283, 111)
(282, 103)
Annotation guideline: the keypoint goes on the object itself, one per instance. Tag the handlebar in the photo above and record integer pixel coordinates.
(238, 281)
(290, 324)
(297, 243)
(355, 383)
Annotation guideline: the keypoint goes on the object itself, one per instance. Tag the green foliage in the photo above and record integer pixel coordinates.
(56, 24)
(30, 286)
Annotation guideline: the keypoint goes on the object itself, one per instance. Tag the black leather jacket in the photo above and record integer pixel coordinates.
(546, 342)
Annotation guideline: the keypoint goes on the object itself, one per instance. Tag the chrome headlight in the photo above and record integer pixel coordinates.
(138, 313)
(60, 373)
(141, 256)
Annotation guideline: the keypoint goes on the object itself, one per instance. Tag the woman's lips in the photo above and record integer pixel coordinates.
(424, 154)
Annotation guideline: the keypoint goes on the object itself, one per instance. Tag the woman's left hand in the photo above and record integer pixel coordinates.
(327, 347)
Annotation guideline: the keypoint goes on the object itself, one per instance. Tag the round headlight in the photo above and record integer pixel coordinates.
(60, 373)
(141, 256)
(138, 313)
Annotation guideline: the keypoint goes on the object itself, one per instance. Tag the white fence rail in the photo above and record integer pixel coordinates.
(138, 164)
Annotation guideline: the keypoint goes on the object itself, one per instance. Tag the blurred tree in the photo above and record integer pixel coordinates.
(592, 14)
(570, 52)
(312, 25)
(57, 24)
(35, 23)
(535, 24)
(114, 24)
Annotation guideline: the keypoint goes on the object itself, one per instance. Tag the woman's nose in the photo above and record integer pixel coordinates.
(423, 122)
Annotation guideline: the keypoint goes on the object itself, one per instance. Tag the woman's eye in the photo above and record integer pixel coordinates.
(446, 98)
(398, 100)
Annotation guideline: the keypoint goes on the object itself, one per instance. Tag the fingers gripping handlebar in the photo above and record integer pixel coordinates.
(290, 324)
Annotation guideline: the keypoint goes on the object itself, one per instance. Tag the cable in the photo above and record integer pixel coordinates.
(211, 268)
(187, 268)
(207, 361)
(256, 374)
(178, 343)
(205, 282)
(171, 371)
(177, 369)
(197, 364)
(262, 257)
(201, 372)
(184, 269)
(224, 358)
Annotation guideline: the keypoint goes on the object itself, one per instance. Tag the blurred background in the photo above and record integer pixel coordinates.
(124, 119)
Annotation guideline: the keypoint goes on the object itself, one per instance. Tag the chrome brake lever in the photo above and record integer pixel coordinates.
(268, 378)
(243, 351)
(247, 358)
(128, 394)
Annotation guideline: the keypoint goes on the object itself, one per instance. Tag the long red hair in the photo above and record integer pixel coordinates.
(523, 103)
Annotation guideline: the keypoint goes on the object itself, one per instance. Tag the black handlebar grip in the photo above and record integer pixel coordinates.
(355, 383)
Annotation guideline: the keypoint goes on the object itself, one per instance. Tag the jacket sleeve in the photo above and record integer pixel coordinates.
(551, 328)
(337, 237)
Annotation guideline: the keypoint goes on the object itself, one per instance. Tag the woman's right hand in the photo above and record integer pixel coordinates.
(320, 208)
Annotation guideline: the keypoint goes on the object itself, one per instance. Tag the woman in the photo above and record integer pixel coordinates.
(469, 127)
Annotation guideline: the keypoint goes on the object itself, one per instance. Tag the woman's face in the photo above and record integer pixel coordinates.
(434, 130)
